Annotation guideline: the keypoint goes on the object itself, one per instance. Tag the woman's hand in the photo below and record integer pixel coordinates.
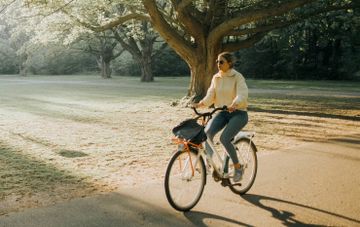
(231, 108)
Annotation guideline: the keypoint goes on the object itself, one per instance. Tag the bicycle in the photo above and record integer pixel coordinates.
(186, 173)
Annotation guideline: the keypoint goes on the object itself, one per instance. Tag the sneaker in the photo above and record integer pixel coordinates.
(238, 174)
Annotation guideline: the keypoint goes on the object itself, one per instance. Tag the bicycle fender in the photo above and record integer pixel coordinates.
(246, 136)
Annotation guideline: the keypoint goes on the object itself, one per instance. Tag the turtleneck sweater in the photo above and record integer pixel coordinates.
(227, 88)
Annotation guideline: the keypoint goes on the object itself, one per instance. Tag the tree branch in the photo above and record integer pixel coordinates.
(249, 42)
(118, 54)
(178, 43)
(110, 25)
(281, 23)
(6, 6)
(192, 26)
(160, 50)
(131, 46)
(253, 16)
(183, 4)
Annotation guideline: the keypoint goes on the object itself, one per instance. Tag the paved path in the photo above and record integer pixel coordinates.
(315, 184)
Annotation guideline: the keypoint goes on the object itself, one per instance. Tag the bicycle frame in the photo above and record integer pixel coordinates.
(186, 145)
(203, 153)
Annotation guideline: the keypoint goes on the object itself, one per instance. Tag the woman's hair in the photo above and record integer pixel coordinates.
(229, 57)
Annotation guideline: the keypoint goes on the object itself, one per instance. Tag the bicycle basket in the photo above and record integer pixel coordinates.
(190, 130)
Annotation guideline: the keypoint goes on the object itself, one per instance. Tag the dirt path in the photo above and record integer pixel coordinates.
(300, 186)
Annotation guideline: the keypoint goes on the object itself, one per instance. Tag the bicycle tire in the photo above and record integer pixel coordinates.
(182, 190)
(248, 159)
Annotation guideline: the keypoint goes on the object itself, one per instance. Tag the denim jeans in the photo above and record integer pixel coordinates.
(234, 122)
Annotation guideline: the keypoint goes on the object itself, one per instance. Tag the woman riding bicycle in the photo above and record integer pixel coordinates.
(228, 88)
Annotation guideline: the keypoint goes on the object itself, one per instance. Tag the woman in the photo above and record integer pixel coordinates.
(228, 88)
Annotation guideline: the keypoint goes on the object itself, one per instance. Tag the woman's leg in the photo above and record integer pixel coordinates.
(238, 120)
(213, 127)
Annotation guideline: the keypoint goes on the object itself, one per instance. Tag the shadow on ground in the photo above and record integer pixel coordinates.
(198, 219)
(113, 209)
(290, 217)
(305, 113)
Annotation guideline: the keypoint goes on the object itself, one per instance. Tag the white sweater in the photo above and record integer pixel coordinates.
(227, 89)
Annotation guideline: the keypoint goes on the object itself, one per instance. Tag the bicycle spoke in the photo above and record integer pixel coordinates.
(184, 184)
(248, 160)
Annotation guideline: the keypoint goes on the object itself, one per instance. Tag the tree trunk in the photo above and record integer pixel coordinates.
(201, 76)
(146, 69)
(104, 66)
(202, 67)
(105, 70)
(146, 57)
(23, 71)
(22, 65)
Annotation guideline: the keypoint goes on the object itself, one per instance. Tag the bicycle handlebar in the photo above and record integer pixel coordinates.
(209, 114)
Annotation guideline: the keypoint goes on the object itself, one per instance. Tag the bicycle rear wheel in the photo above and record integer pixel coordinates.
(247, 157)
(185, 179)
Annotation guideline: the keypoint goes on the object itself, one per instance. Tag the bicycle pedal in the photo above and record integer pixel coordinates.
(225, 183)
(216, 176)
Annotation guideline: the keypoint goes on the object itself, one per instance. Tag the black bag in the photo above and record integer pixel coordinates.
(190, 130)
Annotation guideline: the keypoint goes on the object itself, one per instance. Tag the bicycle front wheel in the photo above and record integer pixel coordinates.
(246, 153)
(185, 179)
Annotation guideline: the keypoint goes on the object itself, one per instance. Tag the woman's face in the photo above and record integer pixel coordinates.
(222, 64)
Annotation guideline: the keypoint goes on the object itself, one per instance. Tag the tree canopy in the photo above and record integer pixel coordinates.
(198, 30)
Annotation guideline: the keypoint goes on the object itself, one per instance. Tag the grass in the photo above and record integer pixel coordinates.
(322, 97)
(317, 85)
(20, 174)
(82, 123)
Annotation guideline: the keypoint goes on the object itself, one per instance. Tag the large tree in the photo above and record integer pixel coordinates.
(126, 20)
(199, 30)
(141, 45)
(103, 47)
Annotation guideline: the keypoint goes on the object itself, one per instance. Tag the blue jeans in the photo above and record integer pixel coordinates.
(234, 122)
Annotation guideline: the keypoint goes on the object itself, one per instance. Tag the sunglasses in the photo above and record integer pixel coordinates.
(220, 62)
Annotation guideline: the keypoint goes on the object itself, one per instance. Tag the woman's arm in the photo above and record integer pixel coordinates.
(210, 94)
(241, 92)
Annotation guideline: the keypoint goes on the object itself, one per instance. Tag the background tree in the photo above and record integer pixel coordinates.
(139, 40)
(104, 48)
(20, 32)
(199, 30)
(8, 58)
(318, 48)
(137, 37)
(296, 39)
